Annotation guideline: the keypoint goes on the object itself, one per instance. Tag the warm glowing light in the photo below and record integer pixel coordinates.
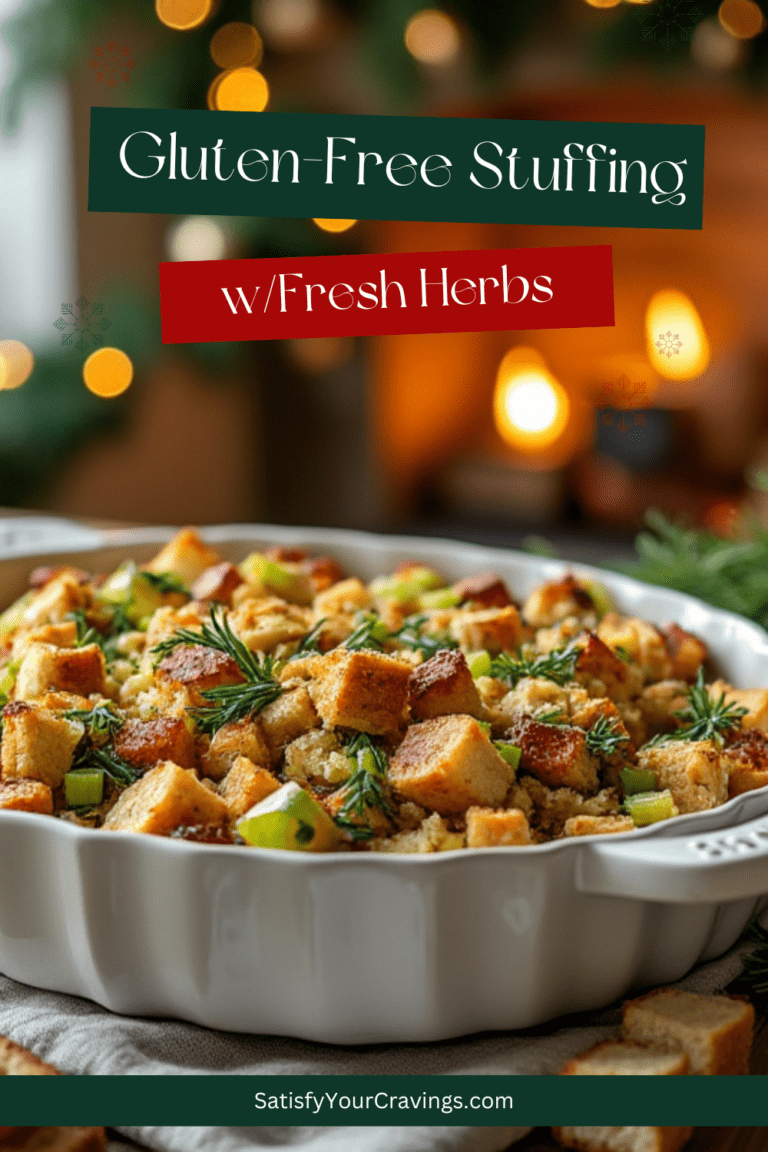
(236, 45)
(241, 90)
(183, 15)
(603, 3)
(531, 409)
(333, 225)
(16, 363)
(714, 48)
(432, 37)
(742, 18)
(678, 348)
(289, 23)
(322, 353)
(197, 238)
(107, 372)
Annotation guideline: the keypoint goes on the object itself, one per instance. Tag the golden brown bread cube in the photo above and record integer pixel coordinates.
(495, 629)
(165, 798)
(344, 598)
(686, 652)
(241, 738)
(244, 785)
(658, 704)
(286, 718)
(25, 795)
(46, 668)
(598, 825)
(37, 744)
(441, 685)
(185, 556)
(198, 669)
(217, 583)
(755, 700)
(694, 771)
(714, 1031)
(643, 643)
(484, 591)
(449, 764)
(555, 754)
(61, 635)
(628, 1058)
(363, 690)
(497, 828)
(554, 601)
(263, 622)
(601, 671)
(746, 758)
(143, 743)
(60, 596)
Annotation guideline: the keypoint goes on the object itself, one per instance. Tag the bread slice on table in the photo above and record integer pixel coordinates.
(53, 1139)
(715, 1032)
(623, 1139)
(16, 1061)
(628, 1058)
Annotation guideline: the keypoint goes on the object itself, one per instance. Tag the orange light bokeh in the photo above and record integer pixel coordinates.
(16, 364)
(531, 408)
(108, 372)
(184, 15)
(333, 225)
(240, 90)
(236, 45)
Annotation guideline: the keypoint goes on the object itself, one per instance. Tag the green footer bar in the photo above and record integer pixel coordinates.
(384, 1100)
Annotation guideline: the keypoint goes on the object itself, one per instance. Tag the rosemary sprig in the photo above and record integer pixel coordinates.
(309, 645)
(604, 738)
(216, 634)
(557, 665)
(118, 770)
(704, 717)
(165, 582)
(411, 636)
(554, 716)
(86, 633)
(366, 787)
(369, 633)
(101, 724)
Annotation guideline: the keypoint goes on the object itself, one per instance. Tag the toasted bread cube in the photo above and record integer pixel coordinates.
(497, 828)
(26, 796)
(244, 785)
(658, 704)
(448, 764)
(532, 694)
(143, 743)
(61, 635)
(266, 621)
(484, 591)
(217, 583)
(555, 754)
(167, 797)
(363, 690)
(324, 572)
(686, 652)
(286, 718)
(344, 598)
(197, 669)
(495, 629)
(166, 620)
(755, 700)
(243, 737)
(746, 759)
(694, 771)
(628, 1058)
(714, 1031)
(185, 556)
(37, 744)
(81, 671)
(642, 642)
(641, 1139)
(598, 825)
(552, 602)
(60, 596)
(601, 671)
(441, 685)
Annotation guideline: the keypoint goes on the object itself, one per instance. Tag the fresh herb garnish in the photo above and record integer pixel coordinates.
(216, 634)
(93, 751)
(605, 738)
(309, 645)
(705, 717)
(86, 633)
(557, 665)
(411, 636)
(366, 788)
(371, 632)
(165, 582)
(554, 716)
(101, 722)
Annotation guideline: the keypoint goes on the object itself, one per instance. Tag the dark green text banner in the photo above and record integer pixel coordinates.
(396, 168)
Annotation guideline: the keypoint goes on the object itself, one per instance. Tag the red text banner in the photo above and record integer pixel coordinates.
(469, 291)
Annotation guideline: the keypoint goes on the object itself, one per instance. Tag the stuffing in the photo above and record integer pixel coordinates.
(62, 595)
(441, 685)
(46, 668)
(659, 703)
(641, 643)
(217, 583)
(555, 754)
(602, 672)
(746, 760)
(197, 669)
(363, 690)
(552, 807)
(694, 772)
(37, 743)
(484, 591)
(241, 737)
(264, 622)
(494, 629)
(185, 556)
(550, 603)
(317, 757)
(755, 700)
(497, 828)
(25, 795)
(686, 652)
(434, 835)
(244, 785)
(143, 743)
(289, 716)
(166, 798)
(342, 599)
(598, 825)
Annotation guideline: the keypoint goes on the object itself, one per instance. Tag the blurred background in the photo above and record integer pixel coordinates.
(426, 433)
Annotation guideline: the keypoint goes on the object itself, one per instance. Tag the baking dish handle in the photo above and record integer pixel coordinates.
(717, 866)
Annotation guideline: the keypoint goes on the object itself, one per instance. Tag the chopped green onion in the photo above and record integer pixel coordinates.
(441, 598)
(479, 663)
(509, 752)
(83, 787)
(637, 780)
(650, 807)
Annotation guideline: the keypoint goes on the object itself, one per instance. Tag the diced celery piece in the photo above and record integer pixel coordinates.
(293, 586)
(637, 780)
(11, 618)
(650, 807)
(509, 752)
(138, 593)
(8, 679)
(289, 819)
(409, 586)
(479, 663)
(83, 787)
(601, 597)
(485, 727)
(441, 598)
(380, 632)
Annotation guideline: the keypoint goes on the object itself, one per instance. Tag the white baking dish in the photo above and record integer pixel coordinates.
(368, 948)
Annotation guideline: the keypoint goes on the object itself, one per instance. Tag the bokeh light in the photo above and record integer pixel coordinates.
(530, 407)
(603, 3)
(742, 18)
(714, 48)
(333, 225)
(16, 364)
(289, 24)
(184, 15)
(432, 37)
(241, 90)
(236, 45)
(677, 344)
(196, 238)
(321, 353)
(107, 372)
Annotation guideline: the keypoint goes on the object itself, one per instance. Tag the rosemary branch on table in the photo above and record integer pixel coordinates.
(557, 665)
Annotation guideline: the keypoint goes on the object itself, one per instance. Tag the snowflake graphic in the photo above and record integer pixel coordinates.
(669, 344)
(617, 401)
(82, 324)
(671, 21)
(112, 62)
